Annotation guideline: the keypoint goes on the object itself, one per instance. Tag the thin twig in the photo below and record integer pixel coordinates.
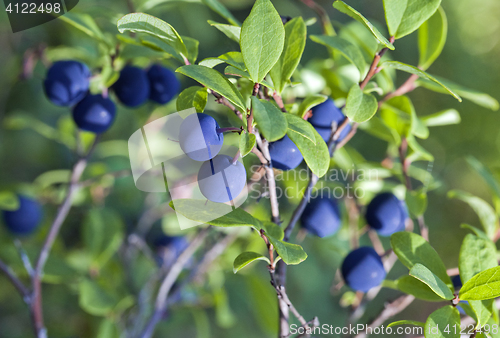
(62, 213)
(16, 282)
(169, 280)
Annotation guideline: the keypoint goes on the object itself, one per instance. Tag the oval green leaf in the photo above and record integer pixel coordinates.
(350, 51)
(405, 16)
(426, 276)
(484, 285)
(247, 142)
(432, 38)
(443, 323)
(360, 107)
(315, 154)
(194, 96)
(270, 119)
(300, 126)
(246, 258)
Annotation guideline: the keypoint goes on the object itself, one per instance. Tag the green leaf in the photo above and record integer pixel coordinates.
(157, 44)
(432, 38)
(85, 23)
(475, 230)
(216, 81)
(442, 118)
(485, 174)
(350, 51)
(291, 254)
(194, 96)
(426, 276)
(360, 107)
(315, 154)
(416, 200)
(232, 32)
(417, 151)
(484, 211)
(413, 249)
(443, 323)
(483, 310)
(476, 255)
(144, 23)
(94, 300)
(406, 322)
(219, 8)
(209, 212)
(270, 119)
(247, 142)
(346, 9)
(420, 290)
(192, 48)
(273, 230)
(234, 59)
(484, 285)
(300, 126)
(295, 42)
(378, 128)
(405, 16)
(309, 102)
(414, 70)
(8, 201)
(107, 329)
(479, 98)
(262, 39)
(246, 258)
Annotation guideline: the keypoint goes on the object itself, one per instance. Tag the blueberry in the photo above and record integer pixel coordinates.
(285, 18)
(220, 180)
(323, 115)
(132, 87)
(26, 219)
(67, 82)
(94, 113)
(321, 217)
(457, 282)
(175, 243)
(363, 269)
(164, 85)
(199, 138)
(284, 154)
(386, 214)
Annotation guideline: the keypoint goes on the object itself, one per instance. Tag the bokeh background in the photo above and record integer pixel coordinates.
(35, 159)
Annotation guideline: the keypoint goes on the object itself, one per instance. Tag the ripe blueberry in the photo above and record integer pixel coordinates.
(386, 214)
(67, 82)
(169, 248)
(323, 115)
(163, 84)
(199, 137)
(363, 269)
(26, 219)
(285, 18)
(94, 113)
(321, 217)
(132, 87)
(457, 282)
(220, 180)
(284, 154)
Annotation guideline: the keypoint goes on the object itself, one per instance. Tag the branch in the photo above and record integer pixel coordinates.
(323, 17)
(62, 213)
(16, 282)
(374, 66)
(169, 280)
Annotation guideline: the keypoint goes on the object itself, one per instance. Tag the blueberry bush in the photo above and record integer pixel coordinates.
(344, 201)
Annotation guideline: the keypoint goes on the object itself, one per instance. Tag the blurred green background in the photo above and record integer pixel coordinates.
(246, 307)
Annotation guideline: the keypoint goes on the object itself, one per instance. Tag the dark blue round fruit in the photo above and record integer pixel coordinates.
(457, 282)
(284, 154)
(324, 115)
(164, 85)
(94, 113)
(386, 214)
(363, 269)
(176, 244)
(67, 82)
(26, 218)
(321, 217)
(199, 137)
(132, 87)
(220, 180)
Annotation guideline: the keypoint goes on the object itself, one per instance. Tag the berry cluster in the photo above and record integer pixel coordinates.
(220, 178)
(67, 84)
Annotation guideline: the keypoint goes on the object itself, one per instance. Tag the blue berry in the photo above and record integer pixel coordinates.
(175, 243)
(164, 85)
(67, 82)
(457, 282)
(94, 113)
(220, 180)
(386, 214)
(199, 137)
(321, 217)
(363, 269)
(132, 87)
(323, 115)
(26, 219)
(284, 154)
